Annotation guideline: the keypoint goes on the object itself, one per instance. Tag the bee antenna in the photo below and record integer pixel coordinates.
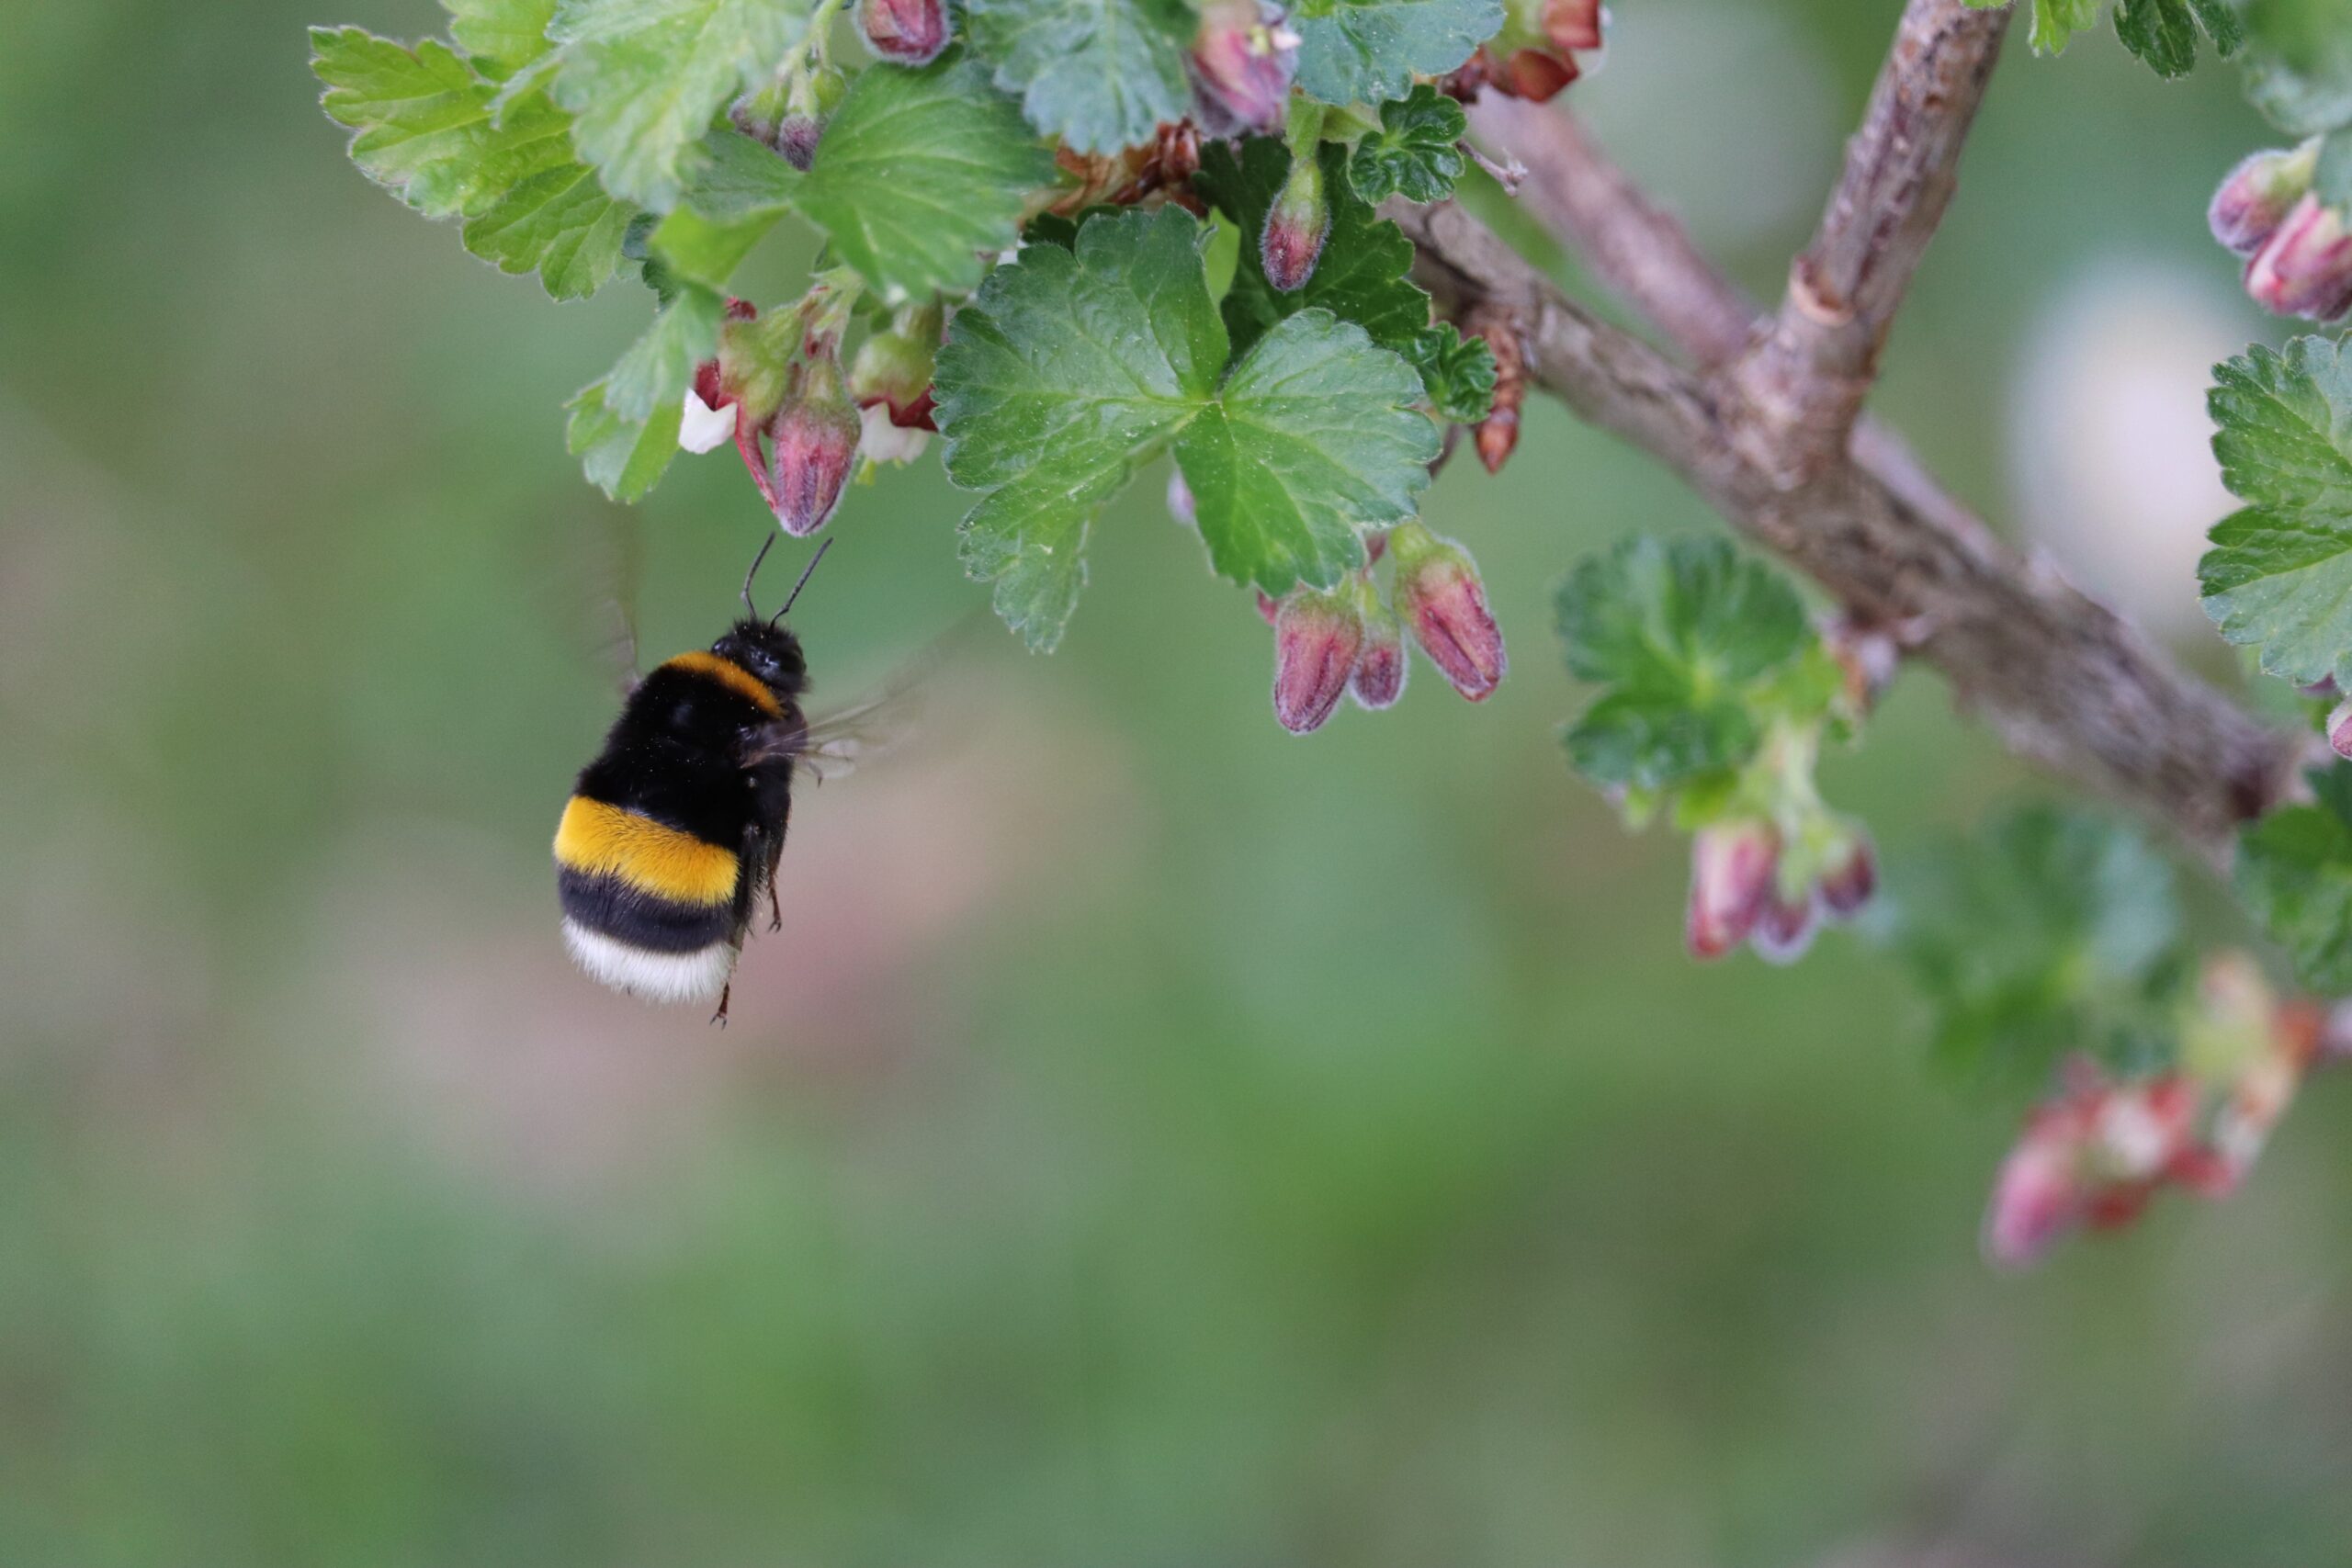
(804, 580)
(749, 608)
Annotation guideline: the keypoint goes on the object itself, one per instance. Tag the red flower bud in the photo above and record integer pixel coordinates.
(2339, 729)
(812, 441)
(2260, 193)
(1784, 926)
(1499, 432)
(2040, 1193)
(796, 136)
(904, 32)
(1317, 638)
(1732, 867)
(1440, 596)
(2305, 268)
(1379, 678)
(1848, 878)
(1296, 226)
(1241, 64)
(1535, 55)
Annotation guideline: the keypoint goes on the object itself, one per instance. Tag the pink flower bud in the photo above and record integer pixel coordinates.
(812, 441)
(2339, 729)
(1732, 867)
(1849, 877)
(1241, 64)
(1440, 596)
(2041, 1194)
(1783, 927)
(2259, 194)
(1179, 503)
(904, 32)
(1379, 678)
(796, 136)
(2305, 268)
(1317, 638)
(1296, 226)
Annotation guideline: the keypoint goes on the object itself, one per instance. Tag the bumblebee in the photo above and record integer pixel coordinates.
(673, 831)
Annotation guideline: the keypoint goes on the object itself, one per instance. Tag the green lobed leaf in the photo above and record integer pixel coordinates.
(2162, 33)
(2294, 874)
(1416, 154)
(424, 129)
(501, 35)
(2053, 24)
(1363, 275)
(1458, 373)
(1101, 74)
(920, 171)
(2279, 578)
(644, 80)
(1370, 51)
(2050, 932)
(1073, 366)
(624, 425)
(1693, 640)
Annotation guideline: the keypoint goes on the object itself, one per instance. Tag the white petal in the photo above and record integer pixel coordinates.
(702, 427)
(882, 442)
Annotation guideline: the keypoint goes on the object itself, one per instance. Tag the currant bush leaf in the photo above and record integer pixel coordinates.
(424, 129)
(624, 427)
(1363, 276)
(920, 171)
(1071, 368)
(1101, 74)
(1370, 51)
(2298, 63)
(1458, 373)
(645, 78)
(2051, 932)
(1693, 640)
(1416, 154)
(2279, 578)
(2294, 874)
(501, 35)
(2054, 23)
(2162, 33)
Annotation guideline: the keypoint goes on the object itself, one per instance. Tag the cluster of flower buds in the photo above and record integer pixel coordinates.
(1349, 641)
(789, 113)
(778, 384)
(1498, 434)
(2096, 1153)
(891, 380)
(904, 32)
(1773, 880)
(1242, 61)
(1543, 47)
(2298, 248)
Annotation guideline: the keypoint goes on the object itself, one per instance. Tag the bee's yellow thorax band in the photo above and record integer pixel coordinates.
(595, 839)
(731, 675)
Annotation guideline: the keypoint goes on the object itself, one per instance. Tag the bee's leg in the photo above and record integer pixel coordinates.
(719, 1018)
(776, 906)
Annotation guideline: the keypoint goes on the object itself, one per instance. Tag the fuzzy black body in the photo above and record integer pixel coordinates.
(674, 828)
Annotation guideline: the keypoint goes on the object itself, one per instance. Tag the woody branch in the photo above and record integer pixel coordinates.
(1764, 425)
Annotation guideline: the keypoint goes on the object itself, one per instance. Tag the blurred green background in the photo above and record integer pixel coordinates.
(1154, 1140)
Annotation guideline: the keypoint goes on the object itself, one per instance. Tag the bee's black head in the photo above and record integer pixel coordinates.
(769, 652)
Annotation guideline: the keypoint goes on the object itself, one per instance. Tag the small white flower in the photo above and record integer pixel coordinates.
(883, 441)
(702, 427)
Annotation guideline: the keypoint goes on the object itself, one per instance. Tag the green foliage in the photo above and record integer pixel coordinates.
(2164, 33)
(424, 128)
(1072, 367)
(1370, 51)
(1099, 73)
(920, 171)
(501, 35)
(645, 78)
(2298, 63)
(1458, 373)
(1416, 154)
(2050, 931)
(2294, 874)
(2279, 578)
(624, 427)
(2053, 24)
(1700, 648)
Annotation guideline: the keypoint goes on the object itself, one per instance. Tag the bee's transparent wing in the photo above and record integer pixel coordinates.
(836, 741)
